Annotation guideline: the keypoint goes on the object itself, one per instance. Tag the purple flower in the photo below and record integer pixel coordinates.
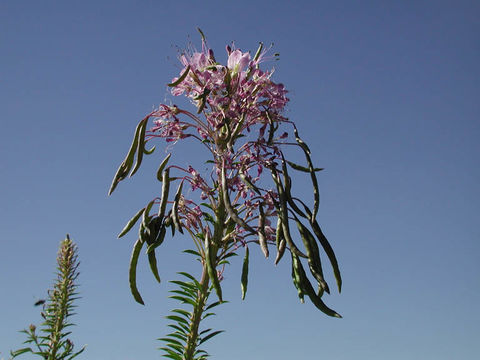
(237, 61)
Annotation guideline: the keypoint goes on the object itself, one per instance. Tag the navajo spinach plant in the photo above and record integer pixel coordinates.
(246, 199)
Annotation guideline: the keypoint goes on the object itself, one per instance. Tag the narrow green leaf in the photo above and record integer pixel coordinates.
(183, 299)
(192, 252)
(20, 351)
(209, 336)
(178, 335)
(178, 319)
(216, 303)
(182, 312)
(180, 328)
(168, 340)
(171, 354)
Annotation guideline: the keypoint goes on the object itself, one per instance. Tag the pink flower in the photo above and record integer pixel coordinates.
(237, 61)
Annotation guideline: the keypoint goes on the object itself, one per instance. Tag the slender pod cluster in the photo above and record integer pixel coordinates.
(248, 197)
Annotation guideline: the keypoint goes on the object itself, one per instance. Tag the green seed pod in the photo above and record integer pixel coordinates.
(162, 166)
(302, 168)
(262, 240)
(249, 184)
(329, 251)
(132, 273)
(313, 254)
(127, 163)
(228, 206)
(308, 290)
(152, 260)
(296, 277)
(212, 271)
(131, 223)
(165, 191)
(283, 213)
(181, 78)
(141, 145)
(175, 217)
(244, 278)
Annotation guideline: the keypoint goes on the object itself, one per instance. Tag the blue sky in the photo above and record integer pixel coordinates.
(385, 92)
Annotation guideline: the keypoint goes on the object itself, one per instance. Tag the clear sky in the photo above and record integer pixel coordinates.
(385, 92)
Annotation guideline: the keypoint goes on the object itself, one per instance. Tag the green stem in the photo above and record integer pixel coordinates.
(203, 293)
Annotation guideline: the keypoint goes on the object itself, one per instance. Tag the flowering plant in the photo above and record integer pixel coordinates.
(239, 120)
(51, 342)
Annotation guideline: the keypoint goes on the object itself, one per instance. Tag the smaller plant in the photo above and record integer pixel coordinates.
(51, 342)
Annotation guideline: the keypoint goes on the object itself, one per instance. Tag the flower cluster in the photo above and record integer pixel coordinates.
(247, 197)
(234, 99)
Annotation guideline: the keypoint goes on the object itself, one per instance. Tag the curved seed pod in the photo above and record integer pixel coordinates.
(152, 260)
(288, 186)
(280, 241)
(314, 262)
(144, 234)
(296, 277)
(310, 292)
(176, 220)
(149, 152)
(228, 206)
(132, 273)
(283, 214)
(162, 166)
(131, 223)
(127, 163)
(165, 190)
(181, 78)
(261, 233)
(311, 170)
(278, 232)
(158, 240)
(300, 142)
(168, 222)
(244, 278)
(212, 271)
(144, 231)
(141, 145)
(238, 127)
(249, 184)
(203, 100)
(153, 229)
(302, 168)
(316, 193)
(329, 251)
(281, 250)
